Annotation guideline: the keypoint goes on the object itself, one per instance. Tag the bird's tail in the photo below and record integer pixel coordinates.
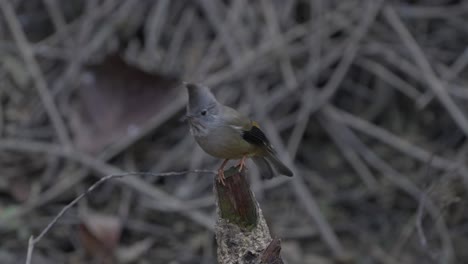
(266, 171)
(267, 162)
(278, 165)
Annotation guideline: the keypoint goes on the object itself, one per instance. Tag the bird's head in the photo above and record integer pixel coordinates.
(202, 108)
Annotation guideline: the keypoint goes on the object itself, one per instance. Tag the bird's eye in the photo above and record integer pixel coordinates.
(203, 113)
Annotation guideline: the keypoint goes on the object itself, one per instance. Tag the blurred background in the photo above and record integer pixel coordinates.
(365, 99)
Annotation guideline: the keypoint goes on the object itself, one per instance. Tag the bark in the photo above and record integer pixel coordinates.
(242, 234)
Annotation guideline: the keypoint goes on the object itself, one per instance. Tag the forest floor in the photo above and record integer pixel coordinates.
(364, 99)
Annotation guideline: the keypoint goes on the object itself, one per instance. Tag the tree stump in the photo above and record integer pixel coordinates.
(242, 234)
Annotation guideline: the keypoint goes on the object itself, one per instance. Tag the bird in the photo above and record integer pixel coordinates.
(225, 133)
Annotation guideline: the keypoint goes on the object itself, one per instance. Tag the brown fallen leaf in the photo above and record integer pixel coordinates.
(114, 99)
(100, 236)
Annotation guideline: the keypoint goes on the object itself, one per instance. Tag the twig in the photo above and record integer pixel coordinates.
(300, 190)
(35, 71)
(389, 77)
(2, 108)
(419, 220)
(75, 201)
(458, 65)
(214, 13)
(271, 18)
(431, 79)
(405, 184)
(431, 12)
(153, 28)
(30, 250)
(350, 154)
(33, 241)
(80, 55)
(251, 56)
(172, 56)
(349, 53)
(106, 169)
(401, 62)
(333, 84)
(395, 142)
(420, 211)
(58, 19)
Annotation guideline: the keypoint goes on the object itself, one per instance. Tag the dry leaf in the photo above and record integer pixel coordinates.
(100, 235)
(114, 100)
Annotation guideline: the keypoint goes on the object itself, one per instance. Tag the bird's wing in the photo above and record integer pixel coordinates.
(249, 130)
(235, 119)
(255, 136)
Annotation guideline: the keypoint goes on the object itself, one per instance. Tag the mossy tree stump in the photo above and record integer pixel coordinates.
(242, 234)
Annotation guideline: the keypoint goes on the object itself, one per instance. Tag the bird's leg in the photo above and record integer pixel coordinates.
(242, 163)
(221, 172)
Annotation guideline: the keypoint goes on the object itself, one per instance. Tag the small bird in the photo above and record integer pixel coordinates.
(225, 133)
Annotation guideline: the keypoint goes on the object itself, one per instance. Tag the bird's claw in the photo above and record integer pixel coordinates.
(242, 164)
(220, 177)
